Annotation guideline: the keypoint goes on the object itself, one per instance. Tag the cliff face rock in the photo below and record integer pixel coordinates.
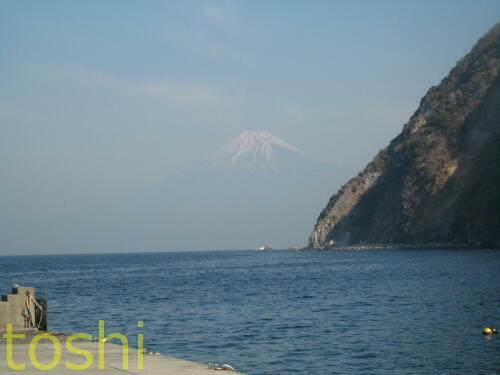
(439, 180)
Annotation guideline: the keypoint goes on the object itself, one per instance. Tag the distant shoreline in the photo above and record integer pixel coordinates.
(428, 246)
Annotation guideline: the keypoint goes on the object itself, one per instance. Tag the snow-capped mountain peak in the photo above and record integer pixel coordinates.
(252, 150)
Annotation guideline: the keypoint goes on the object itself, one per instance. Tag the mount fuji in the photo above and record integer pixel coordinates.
(253, 150)
(255, 190)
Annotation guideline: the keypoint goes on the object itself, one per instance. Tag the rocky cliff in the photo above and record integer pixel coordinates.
(439, 180)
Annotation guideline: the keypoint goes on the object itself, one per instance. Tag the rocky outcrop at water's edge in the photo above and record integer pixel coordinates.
(438, 181)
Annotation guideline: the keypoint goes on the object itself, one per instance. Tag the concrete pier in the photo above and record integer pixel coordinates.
(24, 349)
(12, 306)
(153, 364)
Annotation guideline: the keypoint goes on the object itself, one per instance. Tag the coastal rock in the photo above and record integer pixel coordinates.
(438, 180)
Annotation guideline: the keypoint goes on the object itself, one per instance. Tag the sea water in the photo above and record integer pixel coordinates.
(280, 312)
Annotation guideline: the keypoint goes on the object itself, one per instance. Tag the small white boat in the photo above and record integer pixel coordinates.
(264, 248)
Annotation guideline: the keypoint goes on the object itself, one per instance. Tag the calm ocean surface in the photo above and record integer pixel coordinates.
(279, 312)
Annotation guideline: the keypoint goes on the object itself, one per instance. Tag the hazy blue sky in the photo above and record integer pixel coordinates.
(99, 98)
